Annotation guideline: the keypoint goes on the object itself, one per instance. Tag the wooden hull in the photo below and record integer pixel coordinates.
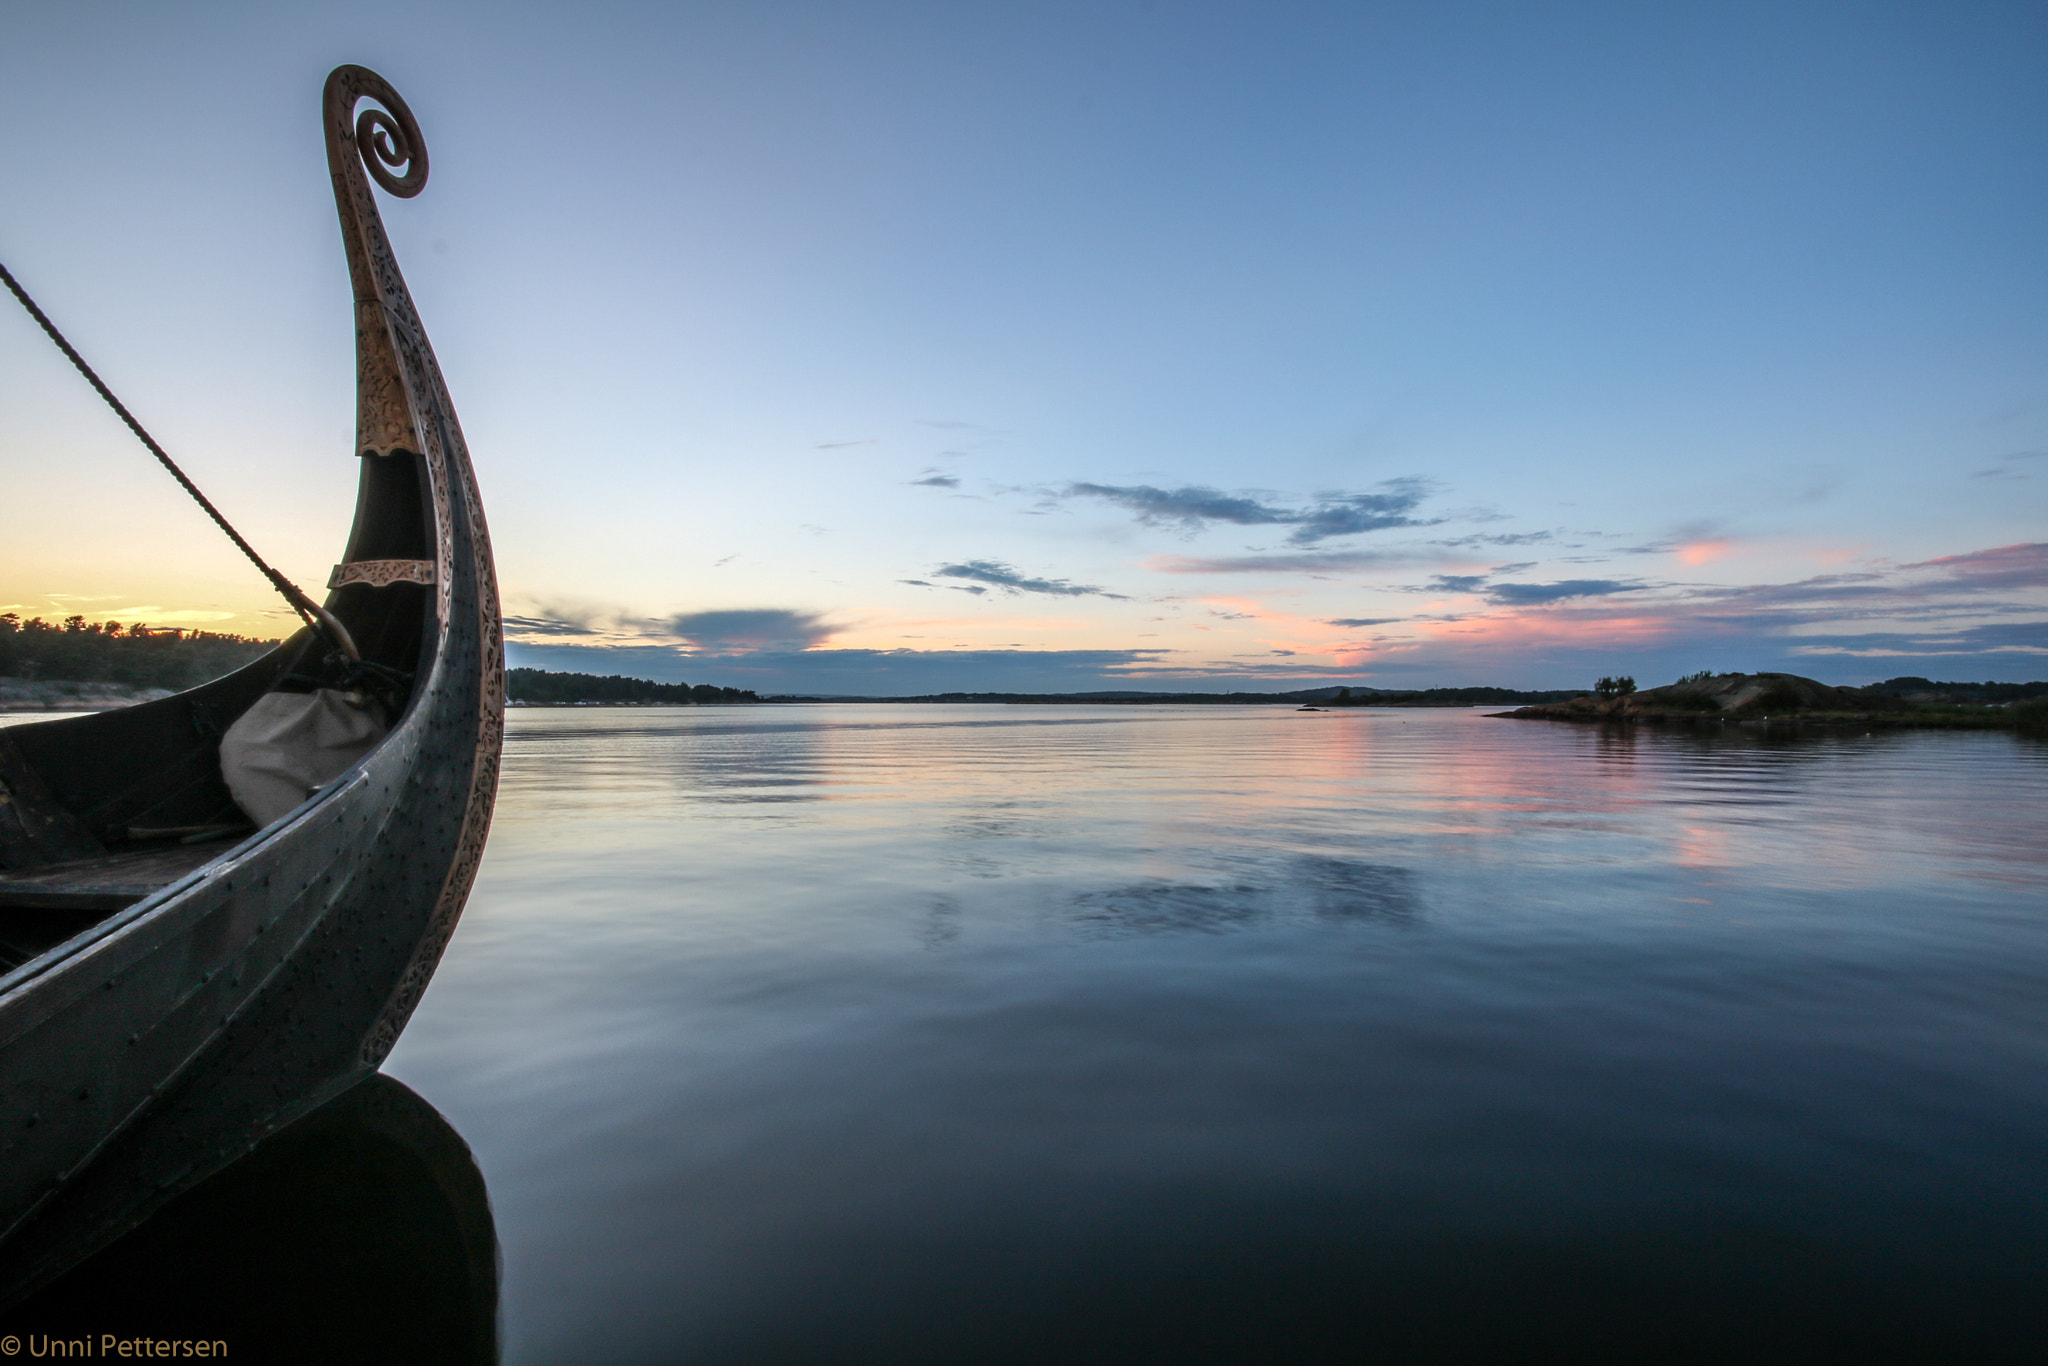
(163, 1041)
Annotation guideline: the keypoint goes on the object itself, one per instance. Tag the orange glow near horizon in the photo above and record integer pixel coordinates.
(1551, 628)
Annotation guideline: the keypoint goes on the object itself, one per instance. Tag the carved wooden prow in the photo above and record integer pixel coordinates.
(388, 400)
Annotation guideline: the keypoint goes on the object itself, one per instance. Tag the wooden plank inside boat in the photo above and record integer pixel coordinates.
(110, 882)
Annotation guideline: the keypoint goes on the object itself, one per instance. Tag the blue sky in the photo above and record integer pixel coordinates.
(895, 348)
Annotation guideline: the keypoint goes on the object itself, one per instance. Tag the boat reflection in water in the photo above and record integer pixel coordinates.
(360, 1233)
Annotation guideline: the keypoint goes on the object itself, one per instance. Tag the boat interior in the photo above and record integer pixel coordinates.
(100, 811)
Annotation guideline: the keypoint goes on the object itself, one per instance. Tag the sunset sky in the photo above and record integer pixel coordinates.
(893, 348)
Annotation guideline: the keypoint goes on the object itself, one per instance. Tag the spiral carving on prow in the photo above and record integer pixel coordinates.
(390, 139)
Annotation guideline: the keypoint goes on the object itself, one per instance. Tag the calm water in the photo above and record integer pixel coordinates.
(873, 1033)
(1007, 1034)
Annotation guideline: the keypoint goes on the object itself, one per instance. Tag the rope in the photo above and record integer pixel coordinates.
(314, 615)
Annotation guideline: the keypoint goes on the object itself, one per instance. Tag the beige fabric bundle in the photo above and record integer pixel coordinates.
(291, 744)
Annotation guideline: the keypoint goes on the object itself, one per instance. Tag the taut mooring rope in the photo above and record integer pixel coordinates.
(315, 616)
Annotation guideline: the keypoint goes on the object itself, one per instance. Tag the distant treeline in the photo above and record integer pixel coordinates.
(1118, 698)
(81, 651)
(1911, 686)
(1337, 696)
(541, 687)
(1449, 697)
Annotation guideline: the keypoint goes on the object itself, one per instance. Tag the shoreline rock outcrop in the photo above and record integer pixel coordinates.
(1766, 697)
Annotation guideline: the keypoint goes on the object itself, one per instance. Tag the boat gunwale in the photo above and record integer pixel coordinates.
(18, 988)
(15, 979)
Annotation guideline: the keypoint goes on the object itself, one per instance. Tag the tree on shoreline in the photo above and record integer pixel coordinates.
(543, 687)
(79, 651)
(75, 650)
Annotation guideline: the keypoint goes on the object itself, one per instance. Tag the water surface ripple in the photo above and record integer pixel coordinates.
(950, 1034)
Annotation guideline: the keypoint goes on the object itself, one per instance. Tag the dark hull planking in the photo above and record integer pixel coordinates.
(158, 1043)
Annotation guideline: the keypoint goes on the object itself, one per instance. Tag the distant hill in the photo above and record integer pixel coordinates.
(544, 688)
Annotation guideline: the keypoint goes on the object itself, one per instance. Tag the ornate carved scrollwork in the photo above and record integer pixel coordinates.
(389, 139)
(360, 151)
(384, 573)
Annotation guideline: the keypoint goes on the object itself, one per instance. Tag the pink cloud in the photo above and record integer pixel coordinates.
(1704, 552)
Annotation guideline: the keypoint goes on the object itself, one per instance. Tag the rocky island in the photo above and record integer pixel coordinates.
(1781, 698)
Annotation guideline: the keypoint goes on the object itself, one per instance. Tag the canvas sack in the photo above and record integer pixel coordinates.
(291, 744)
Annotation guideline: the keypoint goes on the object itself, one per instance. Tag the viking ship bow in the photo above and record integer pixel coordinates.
(174, 985)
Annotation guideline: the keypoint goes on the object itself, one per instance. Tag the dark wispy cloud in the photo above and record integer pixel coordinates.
(744, 629)
(1332, 514)
(2027, 637)
(1516, 538)
(729, 630)
(936, 481)
(1534, 594)
(1307, 562)
(2007, 566)
(1523, 594)
(1836, 590)
(1362, 621)
(544, 626)
(996, 574)
(2018, 465)
(568, 617)
(842, 445)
